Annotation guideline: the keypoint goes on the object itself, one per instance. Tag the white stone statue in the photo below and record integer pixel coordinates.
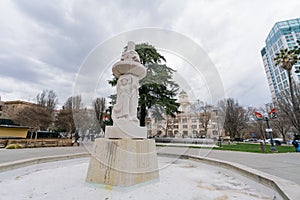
(127, 98)
(129, 71)
(130, 54)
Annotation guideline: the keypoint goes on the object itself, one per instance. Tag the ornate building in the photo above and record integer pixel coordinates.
(190, 122)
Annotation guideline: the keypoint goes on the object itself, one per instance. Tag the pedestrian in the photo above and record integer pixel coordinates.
(296, 145)
(76, 137)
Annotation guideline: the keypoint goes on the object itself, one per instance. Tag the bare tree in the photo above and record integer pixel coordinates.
(71, 115)
(257, 126)
(201, 110)
(289, 107)
(64, 121)
(99, 108)
(36, 117)
(47, 99)
(74, 103)
(234, 117)
(41, 98)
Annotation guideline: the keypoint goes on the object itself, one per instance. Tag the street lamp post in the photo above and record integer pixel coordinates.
(269, 130)
(219, 134)
(220, 138)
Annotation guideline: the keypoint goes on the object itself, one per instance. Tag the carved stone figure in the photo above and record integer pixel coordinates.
(129, 71)
(130, 54)
(127, 98)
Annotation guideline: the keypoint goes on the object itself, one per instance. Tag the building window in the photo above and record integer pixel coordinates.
(184, 120)
(194, 126)
(194, 120)
(289, 38)
(285, 84)
(185, 133)
(185, 126)
(280, 87)
(278, 79)
(280, 43)
(275, 48)
(215, 132)
(283, 76)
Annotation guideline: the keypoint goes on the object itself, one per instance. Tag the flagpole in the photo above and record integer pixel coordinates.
(259, 116)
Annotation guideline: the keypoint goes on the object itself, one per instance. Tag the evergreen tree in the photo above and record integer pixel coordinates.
(157, 88)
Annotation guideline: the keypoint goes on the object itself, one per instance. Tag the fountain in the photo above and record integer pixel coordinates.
(125, 157)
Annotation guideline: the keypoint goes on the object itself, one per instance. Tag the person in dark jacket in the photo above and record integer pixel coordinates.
(296, 145)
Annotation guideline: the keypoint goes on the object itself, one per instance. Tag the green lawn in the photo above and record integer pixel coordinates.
(254, 148)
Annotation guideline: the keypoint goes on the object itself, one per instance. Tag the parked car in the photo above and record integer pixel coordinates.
(250, 140)
(277, 141)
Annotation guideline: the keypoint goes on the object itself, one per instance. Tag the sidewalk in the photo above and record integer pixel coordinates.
(9, 155)
(283, 165)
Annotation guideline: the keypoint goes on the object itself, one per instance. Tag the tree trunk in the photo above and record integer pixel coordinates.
(283, 136)
(295, 106)
(291, 88)
(143, 115)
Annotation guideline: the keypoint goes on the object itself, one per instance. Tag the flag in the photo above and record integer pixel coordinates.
(258, 116)
(272, 113)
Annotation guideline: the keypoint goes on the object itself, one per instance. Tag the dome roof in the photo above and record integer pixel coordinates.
(182, 93)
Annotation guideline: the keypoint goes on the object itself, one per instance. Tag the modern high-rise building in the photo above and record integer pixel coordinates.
(283, 35)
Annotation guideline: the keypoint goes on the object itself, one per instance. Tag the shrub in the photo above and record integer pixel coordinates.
(14, 146)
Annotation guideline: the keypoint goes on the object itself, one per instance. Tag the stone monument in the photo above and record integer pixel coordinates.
(125, 156)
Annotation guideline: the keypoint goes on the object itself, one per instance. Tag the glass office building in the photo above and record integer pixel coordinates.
(284, 34)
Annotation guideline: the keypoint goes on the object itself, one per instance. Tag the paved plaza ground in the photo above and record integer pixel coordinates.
(179, 179)
(284, 165)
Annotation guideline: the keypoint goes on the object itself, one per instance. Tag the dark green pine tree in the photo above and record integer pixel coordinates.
(158, 87)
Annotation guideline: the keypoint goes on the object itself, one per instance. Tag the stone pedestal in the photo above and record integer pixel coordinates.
(123, 162)
(123, 128)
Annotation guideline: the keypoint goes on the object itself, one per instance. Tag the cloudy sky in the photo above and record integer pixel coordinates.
(44, 43)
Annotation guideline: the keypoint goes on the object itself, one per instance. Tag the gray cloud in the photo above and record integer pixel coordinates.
(43, 43)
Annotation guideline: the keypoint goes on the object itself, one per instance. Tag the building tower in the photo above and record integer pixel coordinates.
(283, 35)
(184, 102)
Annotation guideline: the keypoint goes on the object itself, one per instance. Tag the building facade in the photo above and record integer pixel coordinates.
(11, 107)
(188, 123)
(283, 35)
(1, 107)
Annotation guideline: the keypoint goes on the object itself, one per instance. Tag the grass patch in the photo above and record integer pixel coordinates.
(255, 148)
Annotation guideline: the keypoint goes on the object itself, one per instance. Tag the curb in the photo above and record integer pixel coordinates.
(32, 161)
(288, 190)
